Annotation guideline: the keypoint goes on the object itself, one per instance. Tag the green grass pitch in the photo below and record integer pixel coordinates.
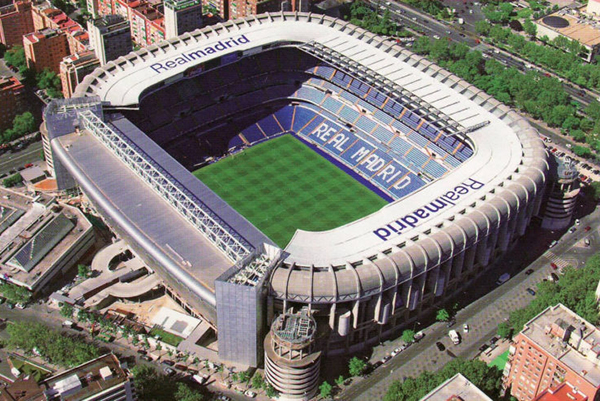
(283, 185)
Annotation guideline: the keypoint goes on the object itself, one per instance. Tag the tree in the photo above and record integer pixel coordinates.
(67, 311)
(14, 293)
(356, 366)
(578, 135)
(483, 27)
(408, 336)
(258, 381)
(83, 271)
(340, 381)
(270, 390)
(504, 330)
(325, 390)
(442, 315)
(185, 393)
(15, 57)
(594, 189)
(151, 386)
(530, 28)
(582, 151)
(13, 180)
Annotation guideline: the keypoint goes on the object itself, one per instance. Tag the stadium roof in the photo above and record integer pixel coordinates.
(508, 161)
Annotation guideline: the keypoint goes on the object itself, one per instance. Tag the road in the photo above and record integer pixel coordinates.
(11, 161)
(483, 315)
(409, 17)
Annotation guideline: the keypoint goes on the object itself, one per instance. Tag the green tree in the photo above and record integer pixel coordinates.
(582, 151)
(16, 57)
(483, 27)
(578, 135)
(594, 189)
(151, 386)
(83, 271)
(270, 390)
(356, 366)
(67, 311)
(14, 293)
(24, 124)
(504, 330)
(185, 393)
(13, 180)
(258, 381)
(530, 28)
(442, 315)
(408, 336)
(325, 390)
(340, 381)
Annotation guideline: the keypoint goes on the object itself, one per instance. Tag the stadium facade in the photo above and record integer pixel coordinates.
(464, 173)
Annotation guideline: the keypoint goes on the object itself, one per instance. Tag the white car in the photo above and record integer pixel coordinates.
(466, 328)
(577, 222)
(250, 394)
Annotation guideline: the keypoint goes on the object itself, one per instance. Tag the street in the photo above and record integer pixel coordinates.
(10, 161)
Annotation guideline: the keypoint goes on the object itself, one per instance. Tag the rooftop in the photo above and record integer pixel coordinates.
(456, 388)
(86, 380)
(37, 234)
(568, 338)
(7, 83)
(573, 24)
(562, 392)
(295, 328)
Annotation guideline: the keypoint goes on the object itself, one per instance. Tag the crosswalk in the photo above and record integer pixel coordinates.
(554, 258)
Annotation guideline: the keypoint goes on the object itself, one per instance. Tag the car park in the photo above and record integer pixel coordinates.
(440, 346)
(530, 291)
(528, 272)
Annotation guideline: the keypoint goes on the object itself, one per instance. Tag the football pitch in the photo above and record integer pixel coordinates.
(282, 185)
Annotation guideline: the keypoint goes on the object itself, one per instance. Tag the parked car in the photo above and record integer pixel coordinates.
(577, 222)
(465, 328)
(554, 276)
(588, 228)
(386, 358)
(169, 371)
(142, 352)
(553, 244)
(146, 358)
(528, 272)
(250, 394)
(554, 265)
(440, 346)
(530, 291)
(572, 230)
(167, 362)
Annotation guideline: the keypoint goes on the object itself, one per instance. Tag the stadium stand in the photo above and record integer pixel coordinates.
(254, 95)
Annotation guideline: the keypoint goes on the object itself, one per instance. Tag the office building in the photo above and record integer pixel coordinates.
(110, 37)
(555, 347)
(12, 101)
(101, 379)
(182, 16)
(456, 388)
(74, 68)
(15, 21)
(45, 49)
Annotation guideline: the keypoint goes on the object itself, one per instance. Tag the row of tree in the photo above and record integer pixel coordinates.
(542, 97)
(488, 379)
(153, 386)
(562, 57)
(23, 124)
(364, 16)
(52, 345)
(575, 289)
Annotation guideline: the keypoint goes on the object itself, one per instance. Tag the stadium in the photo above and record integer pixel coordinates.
(294, 161)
